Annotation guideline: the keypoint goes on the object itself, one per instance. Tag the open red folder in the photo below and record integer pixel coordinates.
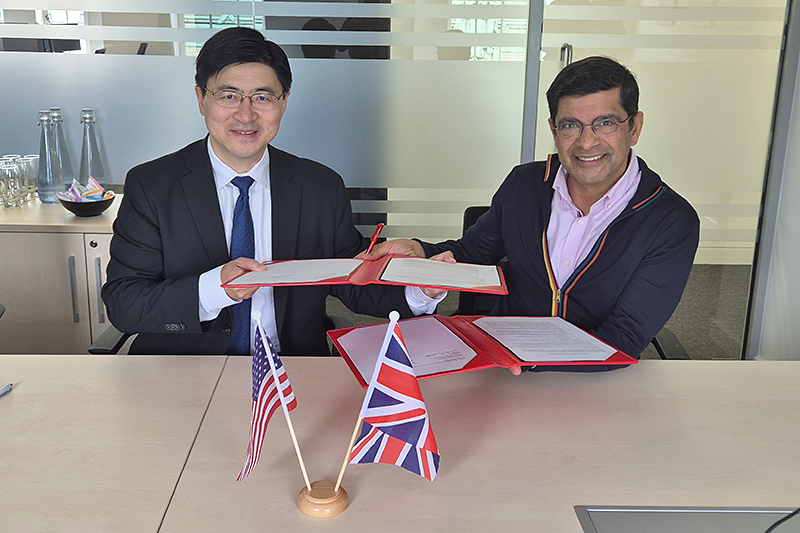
(388, 270)
(440, 345)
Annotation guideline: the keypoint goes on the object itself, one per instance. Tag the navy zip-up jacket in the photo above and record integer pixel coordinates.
(627, 287)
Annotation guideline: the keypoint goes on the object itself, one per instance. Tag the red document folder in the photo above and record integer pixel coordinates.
(361, 351)
(367, 272)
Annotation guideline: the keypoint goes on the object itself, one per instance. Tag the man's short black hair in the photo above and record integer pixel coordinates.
(235, 46)
(592, 75)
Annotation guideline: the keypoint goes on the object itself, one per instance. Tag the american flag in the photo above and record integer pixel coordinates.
(266, 399)
(396, 429)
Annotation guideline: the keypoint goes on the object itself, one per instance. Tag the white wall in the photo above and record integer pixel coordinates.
(774, 331)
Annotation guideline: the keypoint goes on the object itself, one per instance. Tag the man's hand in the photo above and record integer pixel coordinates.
(235, 268)
(446, 257)
(398, 246)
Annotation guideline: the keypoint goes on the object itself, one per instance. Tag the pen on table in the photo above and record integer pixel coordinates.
(375, 235)
(5, 389)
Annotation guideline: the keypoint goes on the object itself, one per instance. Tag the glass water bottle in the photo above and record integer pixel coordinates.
(50, 180)
(61, 145)
(91, 161)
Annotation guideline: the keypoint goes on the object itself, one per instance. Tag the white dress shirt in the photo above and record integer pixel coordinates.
(213, 297)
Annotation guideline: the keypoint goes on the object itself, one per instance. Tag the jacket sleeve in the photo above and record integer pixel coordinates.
(140, 297)
(654, 291)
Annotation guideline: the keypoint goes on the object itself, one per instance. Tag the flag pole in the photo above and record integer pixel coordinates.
(325, 499)
(394, 316)
(347, 455)
(297, 449)
(257, 316)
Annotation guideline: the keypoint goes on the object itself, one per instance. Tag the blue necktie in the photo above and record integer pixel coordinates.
(242, 245)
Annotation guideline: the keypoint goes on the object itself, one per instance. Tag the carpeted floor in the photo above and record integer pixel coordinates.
(709, 320)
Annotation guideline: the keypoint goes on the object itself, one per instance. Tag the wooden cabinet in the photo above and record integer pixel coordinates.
(52, 265)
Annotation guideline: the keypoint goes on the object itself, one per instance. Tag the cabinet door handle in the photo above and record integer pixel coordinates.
(98, 279)
(75, 316)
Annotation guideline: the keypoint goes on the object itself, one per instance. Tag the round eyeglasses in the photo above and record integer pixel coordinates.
(229, 98)
(602, 126)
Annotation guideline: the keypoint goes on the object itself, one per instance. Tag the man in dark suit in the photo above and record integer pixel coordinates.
(176, 237)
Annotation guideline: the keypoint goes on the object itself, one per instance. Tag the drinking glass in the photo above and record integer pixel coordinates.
(33, 184)
(25, 169)
(10, 186)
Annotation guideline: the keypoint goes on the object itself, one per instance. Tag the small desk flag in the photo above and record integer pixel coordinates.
(396, 429)
(266, 396)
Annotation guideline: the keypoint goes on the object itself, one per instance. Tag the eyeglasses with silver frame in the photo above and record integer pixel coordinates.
(601, 126)
(230, 98)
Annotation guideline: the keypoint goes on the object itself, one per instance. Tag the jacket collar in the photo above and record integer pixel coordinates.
(201, 197)
(286, 197)
(650, 187)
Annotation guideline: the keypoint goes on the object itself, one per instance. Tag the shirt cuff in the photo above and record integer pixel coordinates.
(421, 304)
(213, 298)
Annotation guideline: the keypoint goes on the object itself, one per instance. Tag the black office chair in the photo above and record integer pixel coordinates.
(665, 342)
(2, 310)
(112, 340)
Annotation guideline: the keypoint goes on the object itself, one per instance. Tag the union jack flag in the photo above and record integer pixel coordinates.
(267, 371)
(396, 429)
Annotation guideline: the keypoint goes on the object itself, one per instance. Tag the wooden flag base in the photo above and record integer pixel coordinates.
(321, 501)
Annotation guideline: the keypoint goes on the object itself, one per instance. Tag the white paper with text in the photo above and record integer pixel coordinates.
(308, 271)
(544, 339)
(432, 347)
(418, 271)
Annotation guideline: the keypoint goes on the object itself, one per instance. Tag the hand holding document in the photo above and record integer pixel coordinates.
(439, 345)
(388, 270)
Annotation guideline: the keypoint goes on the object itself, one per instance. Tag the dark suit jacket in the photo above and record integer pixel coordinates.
(169, 231)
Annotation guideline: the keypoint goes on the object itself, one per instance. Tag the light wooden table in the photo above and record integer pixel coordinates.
(99, 444)
(517, 453)
(93, 443)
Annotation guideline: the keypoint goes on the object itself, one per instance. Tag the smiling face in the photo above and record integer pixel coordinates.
(240, 135)
(594, 164)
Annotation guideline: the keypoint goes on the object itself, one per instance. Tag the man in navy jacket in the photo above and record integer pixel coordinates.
(592, 234)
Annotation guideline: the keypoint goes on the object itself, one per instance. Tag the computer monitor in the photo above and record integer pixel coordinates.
(611, 519)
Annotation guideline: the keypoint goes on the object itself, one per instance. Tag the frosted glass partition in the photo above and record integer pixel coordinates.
(145, 107)
(707, 73)
(433, 119)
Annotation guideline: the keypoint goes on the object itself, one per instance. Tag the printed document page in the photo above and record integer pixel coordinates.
(432, 347)
(418, 271)
(540, 339)
(308, 271)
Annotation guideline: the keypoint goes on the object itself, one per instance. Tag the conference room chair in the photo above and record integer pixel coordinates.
(112, 340)
(2, 310)
(665, 342)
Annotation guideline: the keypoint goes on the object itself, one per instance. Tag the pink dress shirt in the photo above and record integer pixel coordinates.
(570, 234)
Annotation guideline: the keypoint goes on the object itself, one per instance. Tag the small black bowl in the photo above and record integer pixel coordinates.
(87, 209)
